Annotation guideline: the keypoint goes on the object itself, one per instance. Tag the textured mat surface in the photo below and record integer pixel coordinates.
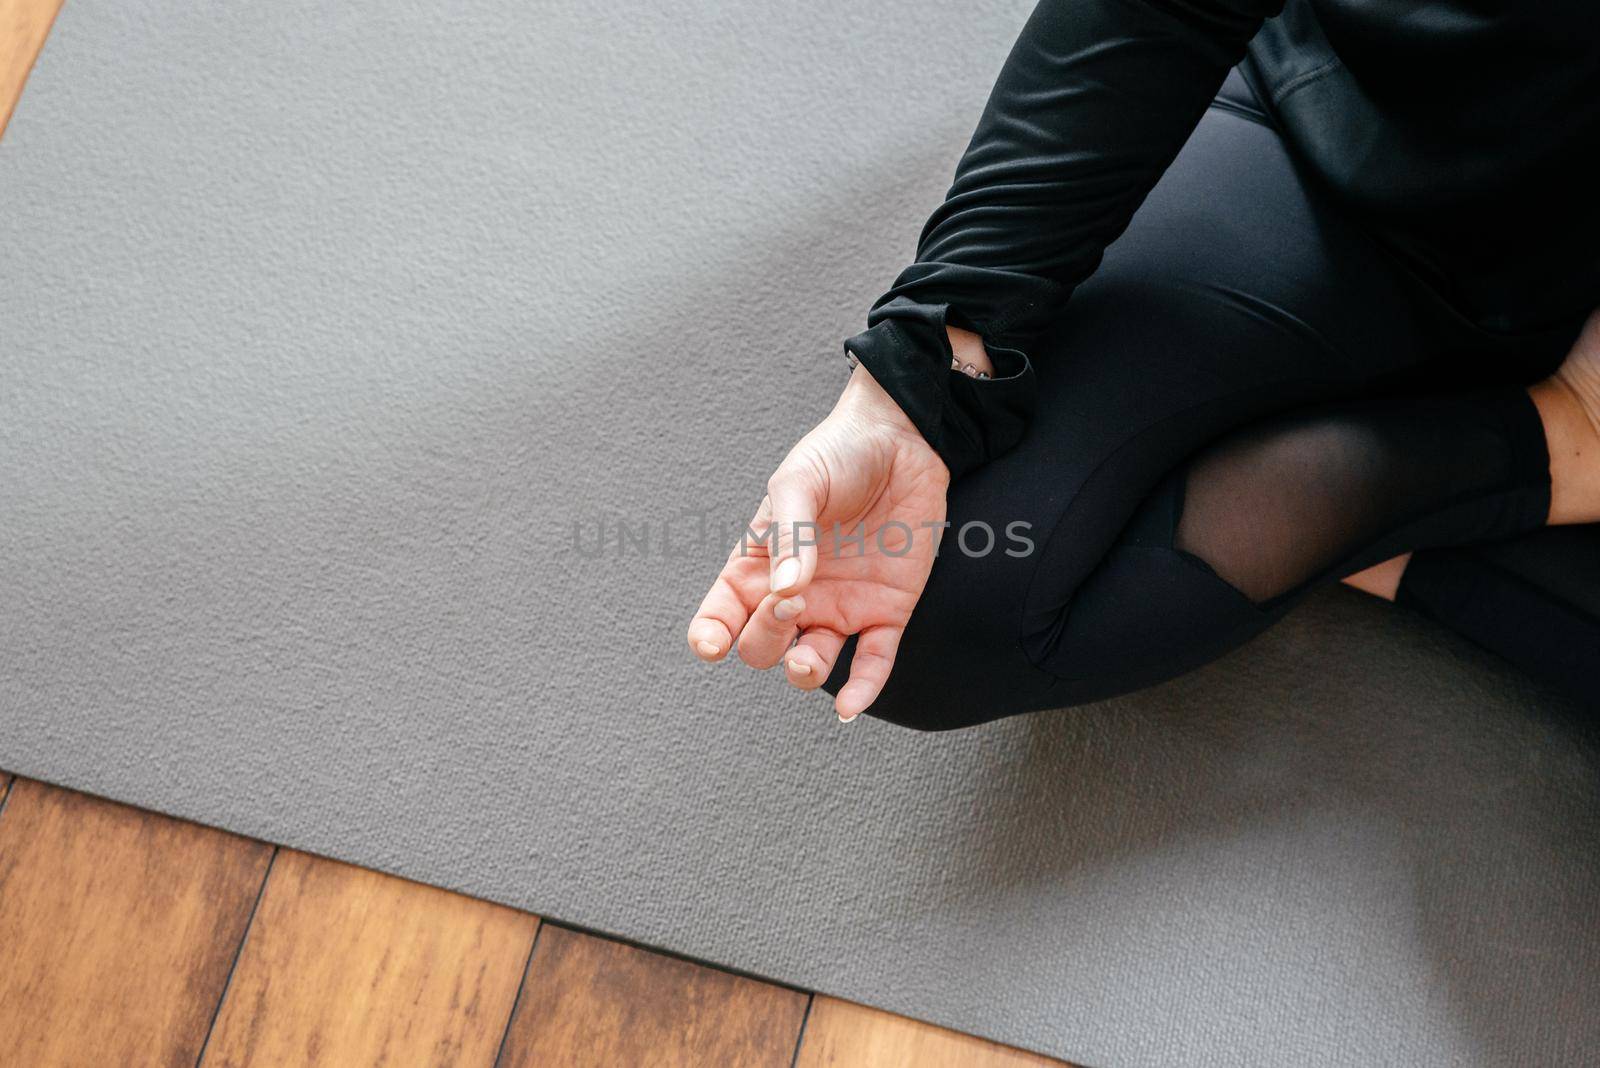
(324, 330)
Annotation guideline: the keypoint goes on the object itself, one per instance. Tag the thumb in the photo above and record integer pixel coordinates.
(797, 497)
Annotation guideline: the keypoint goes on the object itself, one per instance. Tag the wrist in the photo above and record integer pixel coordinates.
(867, 402)
(863, 395)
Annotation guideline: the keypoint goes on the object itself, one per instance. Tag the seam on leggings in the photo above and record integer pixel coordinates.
(1300, 81)
(1275, 317)
(1243, 112)
(1025, 601)
(1201, 564)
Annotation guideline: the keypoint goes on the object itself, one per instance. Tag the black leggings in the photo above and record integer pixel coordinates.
(1243, 402)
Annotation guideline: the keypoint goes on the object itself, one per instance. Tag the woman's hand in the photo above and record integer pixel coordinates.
(850, 523)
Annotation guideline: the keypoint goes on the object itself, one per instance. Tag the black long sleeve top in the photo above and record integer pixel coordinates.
(1463, 133)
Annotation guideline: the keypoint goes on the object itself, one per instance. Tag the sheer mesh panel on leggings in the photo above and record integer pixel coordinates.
(1339, 488)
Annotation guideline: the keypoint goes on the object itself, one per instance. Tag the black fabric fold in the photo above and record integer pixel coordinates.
(968, 421)
(1097, 97)
(1093, 103)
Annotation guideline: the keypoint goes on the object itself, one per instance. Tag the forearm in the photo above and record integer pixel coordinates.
(1093, 103)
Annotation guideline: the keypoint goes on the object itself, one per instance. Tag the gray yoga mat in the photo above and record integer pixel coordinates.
(324, 328)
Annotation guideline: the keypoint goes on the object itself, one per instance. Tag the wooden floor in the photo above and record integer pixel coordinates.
(131, 939)
(128, 938)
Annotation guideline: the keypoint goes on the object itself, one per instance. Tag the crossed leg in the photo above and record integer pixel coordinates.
(1240, 338)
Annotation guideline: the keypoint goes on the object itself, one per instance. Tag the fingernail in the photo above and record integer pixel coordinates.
(786, 575)
(846, 719)
(798, 668)
(788, 608)
(708, 649)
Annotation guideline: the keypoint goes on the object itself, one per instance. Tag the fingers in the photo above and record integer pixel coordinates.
(811, 661)
(869, 670)
(771, 629)
(721, 616)
(724, 612)
(756, 529)
(796, 497)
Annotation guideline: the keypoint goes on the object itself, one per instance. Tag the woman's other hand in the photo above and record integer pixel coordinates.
(849, 529)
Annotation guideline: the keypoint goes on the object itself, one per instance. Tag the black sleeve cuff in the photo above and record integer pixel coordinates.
(968, 421)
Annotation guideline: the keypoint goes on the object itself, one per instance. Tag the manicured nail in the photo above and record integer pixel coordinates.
(788, 608)
(798, 668)
(708, 649)
(787, 574)
(846, 719)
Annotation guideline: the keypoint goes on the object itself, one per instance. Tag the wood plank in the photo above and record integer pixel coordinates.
(117, 929)
(842, 1034)
(591, 1001)
(345, 966)
(24, 24)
